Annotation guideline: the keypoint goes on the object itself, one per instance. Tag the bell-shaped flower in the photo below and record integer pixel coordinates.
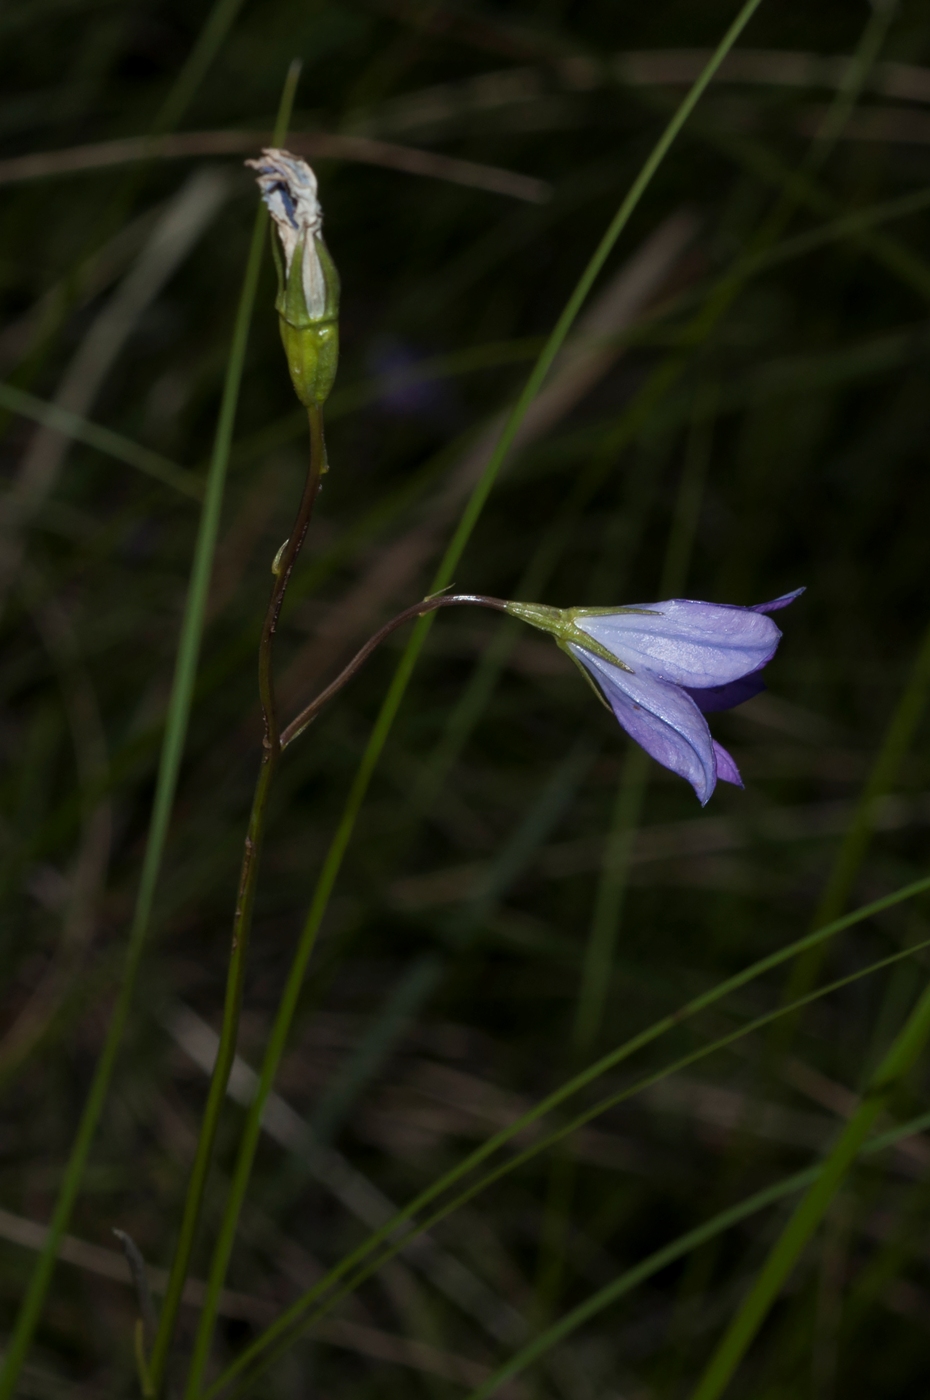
(660, 667)
(308, 284)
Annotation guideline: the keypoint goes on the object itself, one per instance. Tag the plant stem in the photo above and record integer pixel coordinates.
(426, 605)
(242, 919)
(226, 1050)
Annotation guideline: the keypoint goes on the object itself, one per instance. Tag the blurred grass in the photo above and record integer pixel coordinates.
(816, 474)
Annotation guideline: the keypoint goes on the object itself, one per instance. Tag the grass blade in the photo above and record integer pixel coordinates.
(903, 1053)
(552, 1101)
(725, 1220)
(559, 1136)
(179, 708)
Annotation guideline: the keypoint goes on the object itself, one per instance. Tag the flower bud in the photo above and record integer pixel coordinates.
(308, 283)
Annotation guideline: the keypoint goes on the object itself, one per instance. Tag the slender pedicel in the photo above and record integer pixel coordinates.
(426, 605)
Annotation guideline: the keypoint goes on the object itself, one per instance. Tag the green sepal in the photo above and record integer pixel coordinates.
(587, 674)
(311, 344)
(312, 358)
(291, 303)
(560, 623)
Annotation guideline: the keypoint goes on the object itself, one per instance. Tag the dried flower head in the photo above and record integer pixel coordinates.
(661, 667)
(308, 292)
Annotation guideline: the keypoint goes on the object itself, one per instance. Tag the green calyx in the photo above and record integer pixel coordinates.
(311, 343)
(560, 623)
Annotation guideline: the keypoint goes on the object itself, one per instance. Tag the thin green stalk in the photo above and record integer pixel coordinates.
(608, 907)
(863, 61)
(179, 707)
(122, 449)
(239, 948)
(634, 779)
(219, 22)
(417, 983)
(895, 743)
(555, 1099)
(476, 694)
(613, 884)
(533, 581)
(449, 563)
(669, 1253)
(182, 90)
(169, 765)
(899, 1059)
(298, 1324)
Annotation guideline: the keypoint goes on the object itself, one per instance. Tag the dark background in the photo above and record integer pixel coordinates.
(777, 440)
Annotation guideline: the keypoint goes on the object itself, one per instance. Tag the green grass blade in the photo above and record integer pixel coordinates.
(122, 449)
(784, 1255)
(298, 1325)
(725, 1220)
(896, 741)
(179, 707)
(219, 22)
(417, 983)
(613, 881)
(553, 1101)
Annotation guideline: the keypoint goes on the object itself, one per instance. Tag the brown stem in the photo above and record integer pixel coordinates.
(427, 605)
(242, 921)
(284, 567)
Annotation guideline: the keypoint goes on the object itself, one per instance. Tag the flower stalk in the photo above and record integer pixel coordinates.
(245, 903)
(426, 605)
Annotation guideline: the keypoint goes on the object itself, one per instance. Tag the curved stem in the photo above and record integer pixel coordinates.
(426, 605)
(242, 919)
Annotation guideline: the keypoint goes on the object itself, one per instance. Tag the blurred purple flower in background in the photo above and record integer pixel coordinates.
(661, 667)
(404, 390)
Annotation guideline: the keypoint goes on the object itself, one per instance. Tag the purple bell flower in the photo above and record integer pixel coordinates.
(661, 667)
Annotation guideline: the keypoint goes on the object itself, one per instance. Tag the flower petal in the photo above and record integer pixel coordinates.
(289, 189)
(661, 717)
(727, 771)
(692, 644)
(778, 603)
(725, 697)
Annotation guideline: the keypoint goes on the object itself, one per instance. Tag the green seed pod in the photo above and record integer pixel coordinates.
(311, 343)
